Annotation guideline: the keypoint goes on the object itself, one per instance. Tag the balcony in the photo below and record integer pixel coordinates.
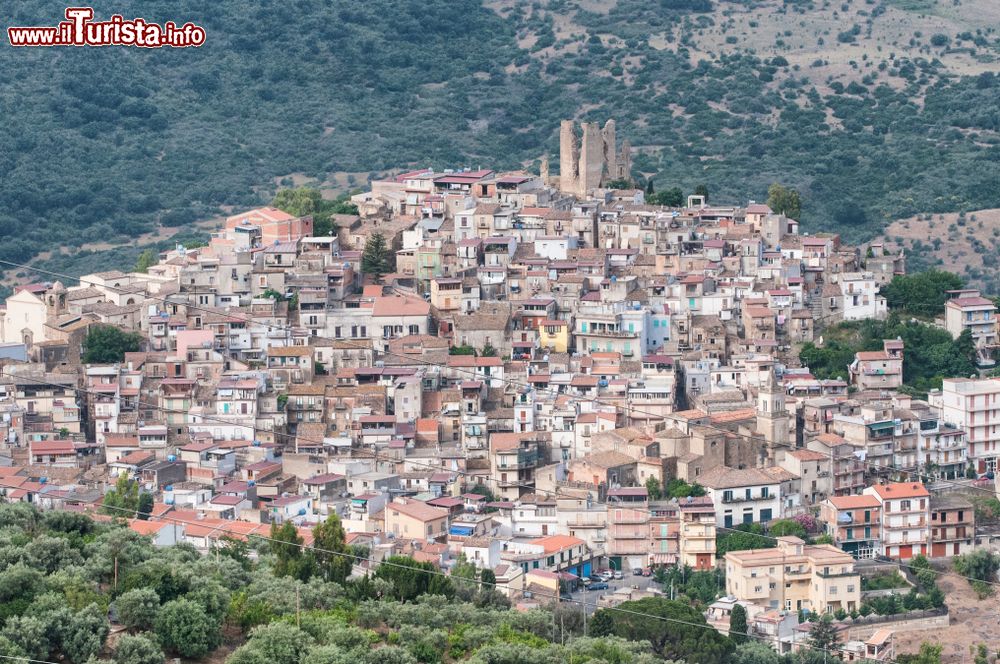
(741, 498)
(523, 459)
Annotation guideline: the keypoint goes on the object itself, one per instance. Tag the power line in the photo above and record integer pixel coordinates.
(576, 398)
(494, 585)
(555, 492)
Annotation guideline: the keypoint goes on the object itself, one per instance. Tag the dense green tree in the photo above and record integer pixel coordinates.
(701, 190)
(755, 652)
(689, 638)
(376, 259)
(602, 624)
(137, 649)
(922, 293)
(931, 353)
(184, 628)
(784, 200)
(672, 197)
(410, 578)
(145, 506)
(298, 202)
(981, 565)
(105, 344)
(146, 260)
(30, 634)
(744, 537)
(123, 499)
(277, 643)
(738, 628)
(678, 488)
(81, 634)
(331, 550)
(137, 608)
(290, 558)
(929, 653)
(10, 652)
(653, 488)
(785, 528)
(824, 636)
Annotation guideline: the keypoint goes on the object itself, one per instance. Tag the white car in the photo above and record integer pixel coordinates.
(619, 575)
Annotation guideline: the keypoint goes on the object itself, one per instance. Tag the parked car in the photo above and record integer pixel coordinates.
(636, 571)
(619, 575)
(647, 571)
(598, 585)
(607, 575)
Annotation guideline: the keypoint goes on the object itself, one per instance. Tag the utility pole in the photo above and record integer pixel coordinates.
(298, 622)
(116, 574)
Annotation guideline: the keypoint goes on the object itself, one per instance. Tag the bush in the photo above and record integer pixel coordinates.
(137, 649)
(185, 629)
(137, 608)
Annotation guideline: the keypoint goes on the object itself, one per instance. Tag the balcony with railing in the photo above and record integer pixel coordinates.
(728, 497)
(516, 460)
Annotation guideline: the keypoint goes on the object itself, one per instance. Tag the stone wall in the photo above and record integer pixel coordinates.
(914, 621)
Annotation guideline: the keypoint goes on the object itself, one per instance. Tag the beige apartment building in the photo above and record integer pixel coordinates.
(697, 532)
(794, 576)
(412, 519)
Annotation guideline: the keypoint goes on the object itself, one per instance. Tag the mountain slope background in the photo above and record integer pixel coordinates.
(876, 110)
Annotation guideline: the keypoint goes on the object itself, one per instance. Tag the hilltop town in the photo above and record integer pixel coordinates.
(553, 377)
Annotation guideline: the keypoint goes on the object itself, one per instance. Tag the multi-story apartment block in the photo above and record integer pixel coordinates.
(973, 405)
(905, 528)
(854, 523)
(879, 369)
(968, 310)
(628, 544)
(953, 525)
(795, 576)
(697, 532)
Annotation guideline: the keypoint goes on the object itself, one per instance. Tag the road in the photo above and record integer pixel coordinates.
(590, 598)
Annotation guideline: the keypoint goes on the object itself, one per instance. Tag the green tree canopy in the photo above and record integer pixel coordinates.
(376, 259)
(690, 639)
(123, 498)
(331, 550)
(672, 197)
(184, 628)
(411, 579)
(105, 344)
(784, 200)
(146, 260)
(137, 649)
(290, 558)
(922, 293)
(824, 635)
(137, 608)
(738, 628)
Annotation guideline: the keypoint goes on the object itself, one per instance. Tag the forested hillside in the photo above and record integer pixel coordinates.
(99, 144)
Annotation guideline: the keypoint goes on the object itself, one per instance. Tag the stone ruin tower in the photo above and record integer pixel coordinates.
(592, 161)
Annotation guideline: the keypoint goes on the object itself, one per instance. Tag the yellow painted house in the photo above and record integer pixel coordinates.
(554, 335)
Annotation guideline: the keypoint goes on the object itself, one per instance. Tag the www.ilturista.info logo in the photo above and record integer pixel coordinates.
(79, 29)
